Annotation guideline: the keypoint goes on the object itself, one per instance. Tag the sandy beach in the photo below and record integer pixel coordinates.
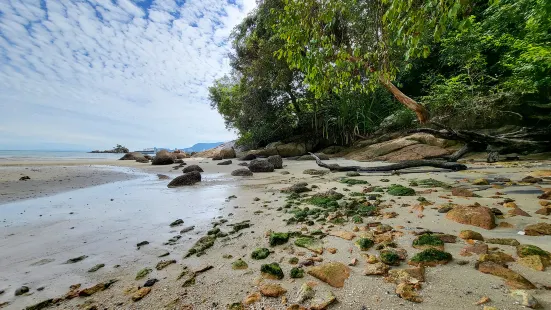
(102, 210)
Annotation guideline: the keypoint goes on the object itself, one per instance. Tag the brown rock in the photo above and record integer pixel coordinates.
(511, 205)
(535, 262)
(461, 192)
(483, 300)
(343, 234)
(539, 229)
(496, 257)
(407, 291)
(323, 301)
(272, 290)
(408, 275)
(544, 211)
(375, 269)
(477, 248)
(331, 250)
(544, 203)
(475, 215)
(513, 279)
(481, 182)
(519, 211)
(546, 195)
(469, 234)
(252, 298)
(414, 152)
(505, 225)
(332, 273)
(446, 238)
(503, 241)
(141, 293)
(96, 288)
(296, 307)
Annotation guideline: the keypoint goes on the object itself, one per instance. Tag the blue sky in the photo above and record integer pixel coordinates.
(93, 73)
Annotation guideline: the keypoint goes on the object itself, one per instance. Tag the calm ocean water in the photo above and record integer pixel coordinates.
(54, 155)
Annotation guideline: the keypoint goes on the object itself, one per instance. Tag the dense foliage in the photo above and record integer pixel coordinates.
(334, 70)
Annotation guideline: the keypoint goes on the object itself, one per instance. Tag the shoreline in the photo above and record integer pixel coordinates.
(142, 208)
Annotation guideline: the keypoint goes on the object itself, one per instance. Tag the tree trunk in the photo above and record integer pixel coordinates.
(420, 111)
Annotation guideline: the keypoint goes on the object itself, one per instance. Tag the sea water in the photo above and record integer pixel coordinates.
(54, 155)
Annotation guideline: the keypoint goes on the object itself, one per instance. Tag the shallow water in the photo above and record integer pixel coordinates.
(105, 223)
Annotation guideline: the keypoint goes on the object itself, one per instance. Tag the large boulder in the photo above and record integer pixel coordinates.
(227, 152)
(414, 152)
(265, 152)
(180, 155)
(192, 168)
(431, 140)
(291, 149)
(375, 150)
(243, 172)
(475, 215)
(277, 161)
(333, 149)
(132, 156)
(142, 160)
(163, 158)
(247, 157)
(310, 157)
(539, 229)
(189, 178)
(258, 165)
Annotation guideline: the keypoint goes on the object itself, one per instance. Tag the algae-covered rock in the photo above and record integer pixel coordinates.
(297, 273)
(426, 241)
(539, 229)
(141, 293)
(353, 181)
(164, 263)
(469, 234)
(239, 265)
(314, 245)
(390, 257)
(96, 268)
(260, 253)
(272, 271)
(277, 238)
(400, 190)
(143, 273)
(201, 245)
(431, 257)
(364, 243)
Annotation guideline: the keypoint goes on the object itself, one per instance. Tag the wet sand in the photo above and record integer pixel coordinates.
(106, 222)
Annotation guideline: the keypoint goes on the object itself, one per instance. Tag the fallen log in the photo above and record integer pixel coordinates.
(392, 167)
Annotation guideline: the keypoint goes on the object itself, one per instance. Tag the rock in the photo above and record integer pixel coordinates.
(133, 156)
(332, 273)
(258, 165)
(503, 241)
(546, 195)
(177, 222)
(291, 149)
(96, 288)
(305, 292)
(477, 248)
(511, 205)
(141, 293)
(226, 153)
(142, 243)
(544, 211)
(285, 172)
(426, 241)
(278, 238)
(324, 300)
(310, 157)
(186, 229)
(400, 190)
(333, 149)
(379, 149)
(150, 282)
(41, 305)
(76, 259)
(22, 290)
(276, 161)
(252, 298)
(239, 265)
(430, 257)
(272, 271)
(186, 179)
(260, 253)
(163, 177)
(297, 273)
(512, 278)
(376, 269)
(24, 178)
(530, 179)
(539, 229)
(475, 215)
(446, 238)
(272, 290)
(163, 158)
(469, 234)
(461, 192)
(407, 291)
(247, 157)
(242, 172)
(519, 211)
(526, 299)
(481, 182)
(164, 263)
(526, 250)
(314, 245)
(496, 257)
(297, 188)
(191, 168)
(96, 268)
(224, 163)
(315, 172)
(343, 234)
(535, 262)
(408, 275)
(143, 273)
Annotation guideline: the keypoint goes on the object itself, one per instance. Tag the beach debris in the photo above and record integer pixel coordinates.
(192, 168)
(188, 178)
(24, 178)
(22, 290)
(513, 279)
(141, 293)
(96, 268)
(76, 259)
(164, 263)
(472, 235)
(150, 282)
(526, 299)
(260, 253)
(539, 229)
(96, 288)
(430, 257)
(140, 244)
(475, 215)
(143, 273)
(333, 273)
(272, 271)
(272, 290)
(239, 265)
(242, 172)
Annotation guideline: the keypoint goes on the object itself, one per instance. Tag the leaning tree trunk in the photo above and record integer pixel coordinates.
(420, 110)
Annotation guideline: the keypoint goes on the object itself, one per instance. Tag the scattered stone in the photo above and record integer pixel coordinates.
(544, 211)
(188, 178)
(469, 234)
(324, 300)
(496, 257)
(140, 244)
(539, 229)
(408, 275)
(315, 172)
(242, 172)
(343, 234)
(352, 174)
(186, 229)
(192, 168)
(314, 245)
(535, 262)
(164, 263)
(519, 211)
(477, 248)
(407, 291)
(285, 172)
(96, 267)
(364, 244)
(426, 241)
(272, 290)
(332, 273)
(252, 298)
(481, 182)
(276, 161)
(483, 300)
(305, 292)
(475, 215)
(141, 293)
(224, 163)
(272, 271)
(526, 299)
(278, 238)
(76, 259)
(260, 253)
(512, 278)
(446, 238)
(143, 273)
(503, 241)
(376, 269)
(297, 273)
(462, 192)
(22, 290)
(24, 178)
(430, 257)
(257, 165)
(546, 195)
(239, 265)
(177, 223)
(526, 250)
(150, 282)
(531, 180)
(201, 245)
(390, 257)
(399, 190)
(96, 288)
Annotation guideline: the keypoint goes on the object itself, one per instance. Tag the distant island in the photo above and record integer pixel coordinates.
(117, 149)
(199, 147)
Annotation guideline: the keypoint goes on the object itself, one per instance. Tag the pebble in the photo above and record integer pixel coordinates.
(22, 290)
(150, 282)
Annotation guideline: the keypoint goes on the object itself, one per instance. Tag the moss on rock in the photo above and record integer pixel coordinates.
(278, 238)
(364, 243)
(260, 253)
(400, 190)
(297, 273)
(272, 271)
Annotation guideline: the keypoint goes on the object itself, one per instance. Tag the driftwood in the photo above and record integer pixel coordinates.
(392, 167)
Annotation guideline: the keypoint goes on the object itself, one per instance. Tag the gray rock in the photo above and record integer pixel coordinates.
(186, 229)
(352, 174)
(310, 157)
(150, 282)
(225, 163)
(163, 158)
(243, 172)
(191, 168)
(276, 160)
(188, 178)
(258, 165)
(22, 290)
(248, 157)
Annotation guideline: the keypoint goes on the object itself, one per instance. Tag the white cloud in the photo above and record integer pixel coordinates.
(101, 72)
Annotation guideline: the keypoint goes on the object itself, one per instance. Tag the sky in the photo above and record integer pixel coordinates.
(90, 74)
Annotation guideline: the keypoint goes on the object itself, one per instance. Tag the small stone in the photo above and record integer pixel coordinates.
(305, 292)
(96, 288)
(352, 174)
(142, 244)
(510, 205)
(353, 262)
(239, 265)
(483, 300)
(519, 212)
(477, 248)
(407, 291)
(143, 273)
(481, 182)
(96, 267)
(376, 269)
(462, 192)
(260, 253)
(141, 293)
(503, 241)
(272, 290)
(252, 298)
(343, 234)
(76, 259)
(150, 282)
(22, 290)
(331, 250)
(469, 234)
(323, 301)
(164, 263)
(186, 229)
(177, 223)
(527, 300)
